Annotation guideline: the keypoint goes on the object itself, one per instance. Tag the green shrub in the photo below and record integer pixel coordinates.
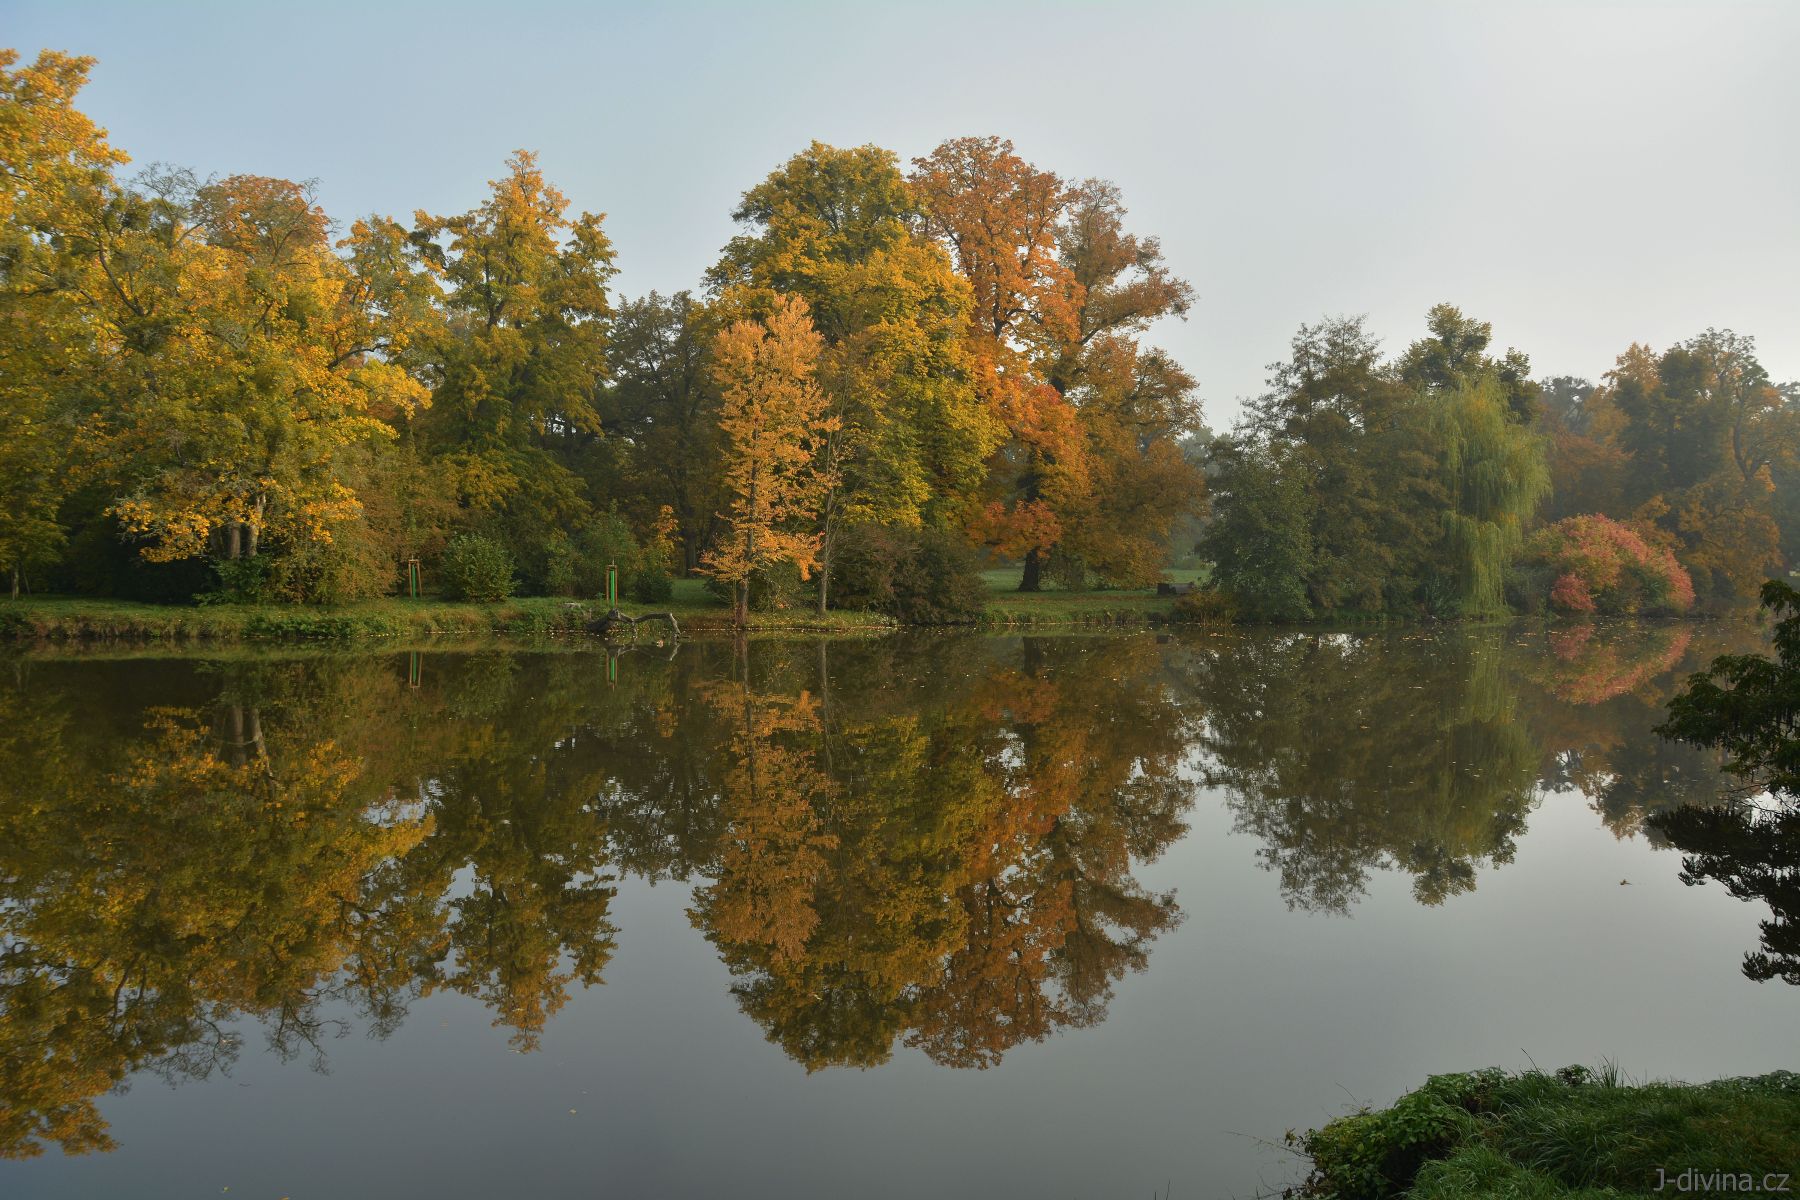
(353, 565)
(476, 567)
(1206, 606)
(917, 576)
(1373, 1155)
(241, 581)
(651, 587)
(1574, 1134)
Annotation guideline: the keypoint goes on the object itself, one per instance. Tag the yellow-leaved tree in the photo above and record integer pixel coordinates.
(54, 163)
(241, 354)
(774, 421)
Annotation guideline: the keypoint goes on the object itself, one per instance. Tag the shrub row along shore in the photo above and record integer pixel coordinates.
(1572, 1133)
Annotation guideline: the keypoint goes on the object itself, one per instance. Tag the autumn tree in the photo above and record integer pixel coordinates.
(1705, 433)
(56, 170)
(775, 421)
(529, 324)
(1135, 403)
(839, 228)
(1001, 218)
(237, 356)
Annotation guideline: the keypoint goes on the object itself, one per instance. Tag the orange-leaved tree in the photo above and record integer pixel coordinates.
(773, 419)
(1000, 216)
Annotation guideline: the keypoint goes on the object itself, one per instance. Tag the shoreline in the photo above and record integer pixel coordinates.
(78, 621)
(71, 620)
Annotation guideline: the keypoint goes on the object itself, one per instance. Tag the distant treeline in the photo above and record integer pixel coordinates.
(207, 388)
(1448, 482)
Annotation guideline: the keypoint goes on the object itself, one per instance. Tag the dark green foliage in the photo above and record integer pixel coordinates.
(1574, 1133)
(477, 567)
(241, 581)
(1747, 705)
(650, 587)
(1754, 853)
(1358, 487)
(917, 576)
(1260, 541)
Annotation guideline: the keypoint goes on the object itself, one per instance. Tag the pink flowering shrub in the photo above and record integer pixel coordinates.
(1597, 564)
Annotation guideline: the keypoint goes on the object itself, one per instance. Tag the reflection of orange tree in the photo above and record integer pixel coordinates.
(147, 904)
(1586, 666)
(957, 877)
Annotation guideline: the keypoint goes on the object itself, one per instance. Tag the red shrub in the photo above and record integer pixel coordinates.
(1597, 564)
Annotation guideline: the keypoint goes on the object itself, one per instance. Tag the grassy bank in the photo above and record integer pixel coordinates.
(79, 620)
(1536, 1136)
(62, 619)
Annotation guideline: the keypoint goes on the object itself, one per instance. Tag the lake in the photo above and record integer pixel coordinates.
(1073, 916)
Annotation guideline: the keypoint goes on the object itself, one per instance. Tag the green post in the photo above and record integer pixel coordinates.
(612, 585)
(612, 669)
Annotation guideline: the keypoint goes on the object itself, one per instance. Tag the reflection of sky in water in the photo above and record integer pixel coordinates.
(1255, 1013)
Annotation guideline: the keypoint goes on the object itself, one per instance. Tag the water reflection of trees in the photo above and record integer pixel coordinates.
(1752, 848)
(956, 875)
(318, 843)
(889, 843)
(1348, 754)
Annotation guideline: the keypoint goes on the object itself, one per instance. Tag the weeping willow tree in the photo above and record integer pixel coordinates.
(1493, 474)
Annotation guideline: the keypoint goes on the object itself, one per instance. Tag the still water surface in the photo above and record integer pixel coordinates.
(1084, 916)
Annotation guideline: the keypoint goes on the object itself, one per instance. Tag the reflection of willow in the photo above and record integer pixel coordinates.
(1346, 754)
(956, 876)
(1753, 849)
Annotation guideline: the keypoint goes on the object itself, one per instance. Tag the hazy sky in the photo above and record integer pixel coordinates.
(1581, 175)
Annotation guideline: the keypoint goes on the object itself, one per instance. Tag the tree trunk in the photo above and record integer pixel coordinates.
(15, 581)
(233, 540)
(740, 613)
(1033, 580)
(824, 570)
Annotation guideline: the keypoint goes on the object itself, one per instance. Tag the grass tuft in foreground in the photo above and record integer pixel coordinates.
(1577, 1133)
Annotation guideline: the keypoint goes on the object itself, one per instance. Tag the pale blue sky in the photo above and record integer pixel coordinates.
(1582, 175)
